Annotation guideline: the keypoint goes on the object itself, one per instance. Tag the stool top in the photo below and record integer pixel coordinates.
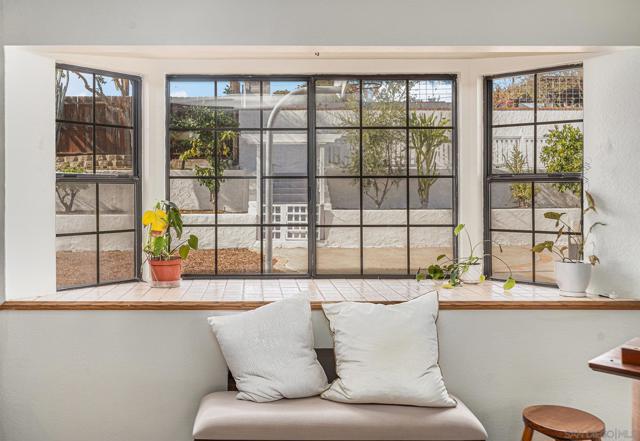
(563, 422)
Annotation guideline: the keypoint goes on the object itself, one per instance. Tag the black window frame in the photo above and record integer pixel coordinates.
(532, 178)
(312, 177)
(104, 178)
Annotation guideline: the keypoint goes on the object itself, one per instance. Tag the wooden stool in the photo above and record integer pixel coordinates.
(561, 423)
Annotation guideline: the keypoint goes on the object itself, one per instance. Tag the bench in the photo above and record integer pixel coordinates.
(222, 417)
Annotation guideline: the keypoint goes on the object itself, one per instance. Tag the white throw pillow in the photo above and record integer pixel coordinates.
(270, 352)
(387, 354)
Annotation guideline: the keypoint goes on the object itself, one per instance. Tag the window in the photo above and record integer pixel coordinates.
(534, 164)
(97, 177)
(313, 176)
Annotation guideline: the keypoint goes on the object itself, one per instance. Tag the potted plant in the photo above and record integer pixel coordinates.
(164, 239)
(572, 272)
(462, 270)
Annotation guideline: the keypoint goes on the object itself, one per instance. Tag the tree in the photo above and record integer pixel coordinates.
(383, 150)
(516, 163)
(67, 192)
(562, 153)
(425, 144)
(201, 145)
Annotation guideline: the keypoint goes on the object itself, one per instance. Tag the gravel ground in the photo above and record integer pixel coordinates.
(79, 268)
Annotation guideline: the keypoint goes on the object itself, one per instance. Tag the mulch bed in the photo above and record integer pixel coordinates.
(75, 268)
(230, 261)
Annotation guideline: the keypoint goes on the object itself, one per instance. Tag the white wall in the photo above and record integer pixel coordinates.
(139, 375)
(153, 72)
(612, 138)
(29, 183)
(333, 22)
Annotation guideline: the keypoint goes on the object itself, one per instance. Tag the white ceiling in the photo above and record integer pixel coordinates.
(326, 52)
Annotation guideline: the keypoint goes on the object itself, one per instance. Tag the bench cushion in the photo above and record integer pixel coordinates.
(222, 417)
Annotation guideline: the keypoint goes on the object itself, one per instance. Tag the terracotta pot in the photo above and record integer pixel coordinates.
(166, 272)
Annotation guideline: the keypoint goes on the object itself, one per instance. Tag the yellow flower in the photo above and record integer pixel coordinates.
(157, 219)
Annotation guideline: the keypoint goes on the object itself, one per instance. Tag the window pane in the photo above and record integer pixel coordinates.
(191, 153)
(430, 152)
(426, 244)
(512, 150)
(114, 150)
(338, 152)
(238, 104)
(238, 153)
(76, 261)
(560, 95)
(75, 207)
(194, 195)
(192, 104)
(285, 153)
(287, 198)
(545, 261)
(338, 250)
(384, 152)
(74, 95)
(511, 205)
(559, 197)
(337, 103)
(431, 200)
(513, 100)
(238, 250)
(237, 203)
(516, 252)
(288, 249)
(560, 148)
(384, 201)
(202, 260)
(431, 103)
(385, 250)
(114, 101)
(284, 104)
(384, 103)
(338, 201)
(74, 149)
(117, 206)
(116, 257)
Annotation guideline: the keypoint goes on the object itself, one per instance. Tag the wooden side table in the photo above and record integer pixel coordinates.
(561, 423)
(611, 363)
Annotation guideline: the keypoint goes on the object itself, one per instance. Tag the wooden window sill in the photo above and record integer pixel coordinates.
(239, 294)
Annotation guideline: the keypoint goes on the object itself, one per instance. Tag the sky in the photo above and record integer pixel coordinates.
(76, 86)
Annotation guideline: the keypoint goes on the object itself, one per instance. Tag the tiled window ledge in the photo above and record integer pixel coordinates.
(241, 294)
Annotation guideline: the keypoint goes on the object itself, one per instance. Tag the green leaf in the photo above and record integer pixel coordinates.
(483, 277)
(458, 229)
(553, 215)
(509, 283)
(184, 251)
(420, 276)
(193, 241)
(447, 286)
(591, 203)
(435, 272)
(540, 247)
(158, 246)
(441, 256)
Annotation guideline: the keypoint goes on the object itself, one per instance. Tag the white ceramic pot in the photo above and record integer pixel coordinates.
(473, 274)
(573, 278)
